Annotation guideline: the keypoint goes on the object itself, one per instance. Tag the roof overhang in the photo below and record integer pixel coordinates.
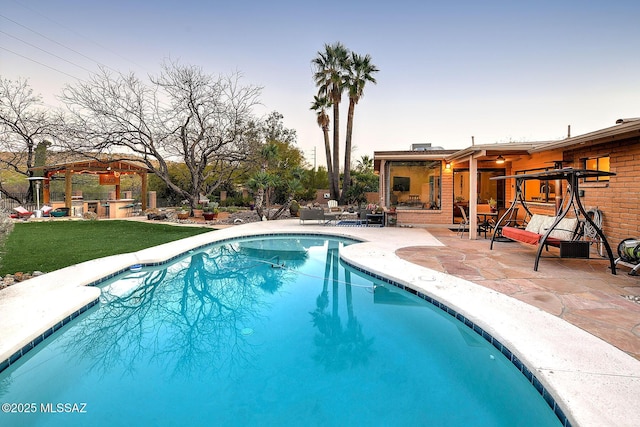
(490, 150)
(413, 155)
(624, 129)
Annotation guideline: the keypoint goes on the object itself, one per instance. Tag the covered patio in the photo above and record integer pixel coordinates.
(108, 172)
(474, 168)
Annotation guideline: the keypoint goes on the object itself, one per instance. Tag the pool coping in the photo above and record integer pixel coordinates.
(593, 382)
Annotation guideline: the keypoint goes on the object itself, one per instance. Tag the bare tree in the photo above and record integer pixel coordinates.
(25, 125)
(184, 115)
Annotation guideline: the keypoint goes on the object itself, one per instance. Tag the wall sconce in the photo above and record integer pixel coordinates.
(500, 160)
(447, 165)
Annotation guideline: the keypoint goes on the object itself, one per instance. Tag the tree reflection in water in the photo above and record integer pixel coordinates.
(187, 317)
(195, 315)
(338, 348)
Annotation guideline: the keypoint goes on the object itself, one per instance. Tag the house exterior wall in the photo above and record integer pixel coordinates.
(444, 215)
(619, 199)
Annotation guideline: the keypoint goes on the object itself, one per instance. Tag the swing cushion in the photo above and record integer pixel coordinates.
(539, 222)
(565, 230)
(538, 225)
(520, 235)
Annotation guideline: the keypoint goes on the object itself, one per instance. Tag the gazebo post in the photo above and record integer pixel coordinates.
(67, 188)
(143, 196)
(46, 194)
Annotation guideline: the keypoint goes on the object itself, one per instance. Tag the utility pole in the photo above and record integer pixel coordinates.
(313, 153)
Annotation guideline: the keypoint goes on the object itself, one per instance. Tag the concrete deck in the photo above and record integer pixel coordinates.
(567, 322)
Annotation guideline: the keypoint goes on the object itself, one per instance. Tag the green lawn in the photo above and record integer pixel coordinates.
(51, 245)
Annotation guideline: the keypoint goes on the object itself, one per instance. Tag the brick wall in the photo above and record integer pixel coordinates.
(619, 199)
(418, 217)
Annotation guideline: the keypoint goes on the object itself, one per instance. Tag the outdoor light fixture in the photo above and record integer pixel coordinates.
(500, 160)
(447, 165)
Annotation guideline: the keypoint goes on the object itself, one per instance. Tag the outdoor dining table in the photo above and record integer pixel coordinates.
(485, 224)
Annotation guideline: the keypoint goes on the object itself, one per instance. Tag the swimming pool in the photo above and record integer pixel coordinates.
(268, 331)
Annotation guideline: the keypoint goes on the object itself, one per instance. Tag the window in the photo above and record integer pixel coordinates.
(535, 190)
(599, 164)
(487, 188)
(415, 185)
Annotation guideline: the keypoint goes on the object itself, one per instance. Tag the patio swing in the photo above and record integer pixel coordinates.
(568, 234)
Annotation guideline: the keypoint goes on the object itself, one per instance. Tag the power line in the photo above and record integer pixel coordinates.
(47, 52)
(57, 56)
(40, 63)
(71, 30)
(57, 43)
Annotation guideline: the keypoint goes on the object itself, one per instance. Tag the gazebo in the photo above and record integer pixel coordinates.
(109, 173)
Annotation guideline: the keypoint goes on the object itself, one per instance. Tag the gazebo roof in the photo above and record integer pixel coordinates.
(93, 166)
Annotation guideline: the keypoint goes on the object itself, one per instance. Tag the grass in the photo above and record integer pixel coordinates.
(51, 245)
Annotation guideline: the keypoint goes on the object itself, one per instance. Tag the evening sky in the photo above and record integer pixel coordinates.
(497, 70)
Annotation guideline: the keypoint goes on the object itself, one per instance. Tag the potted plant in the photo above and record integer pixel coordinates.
(198, 210)
(183, 212)
(210, 211)
(493, 205)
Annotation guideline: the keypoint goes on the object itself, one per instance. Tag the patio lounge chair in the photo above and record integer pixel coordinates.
(46, 210)
(21, 212)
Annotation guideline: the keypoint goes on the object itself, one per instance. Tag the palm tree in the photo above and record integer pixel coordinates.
(365, 164)
(361, 71)
(330, 77)
(319, 105)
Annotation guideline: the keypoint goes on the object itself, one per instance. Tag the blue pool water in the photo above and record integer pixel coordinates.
(271, 332)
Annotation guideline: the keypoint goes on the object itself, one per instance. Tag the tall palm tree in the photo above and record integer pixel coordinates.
(319, 105)
(330, 77)
(361, 71)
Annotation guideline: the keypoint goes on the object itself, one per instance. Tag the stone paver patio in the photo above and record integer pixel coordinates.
(582, 292)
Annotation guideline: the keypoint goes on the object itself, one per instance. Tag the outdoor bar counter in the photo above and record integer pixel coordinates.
(115, 208)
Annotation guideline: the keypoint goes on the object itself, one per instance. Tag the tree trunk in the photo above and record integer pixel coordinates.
(327, 150)
(259, 201)
(335, 191)
(347, 152)
(283, 208)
